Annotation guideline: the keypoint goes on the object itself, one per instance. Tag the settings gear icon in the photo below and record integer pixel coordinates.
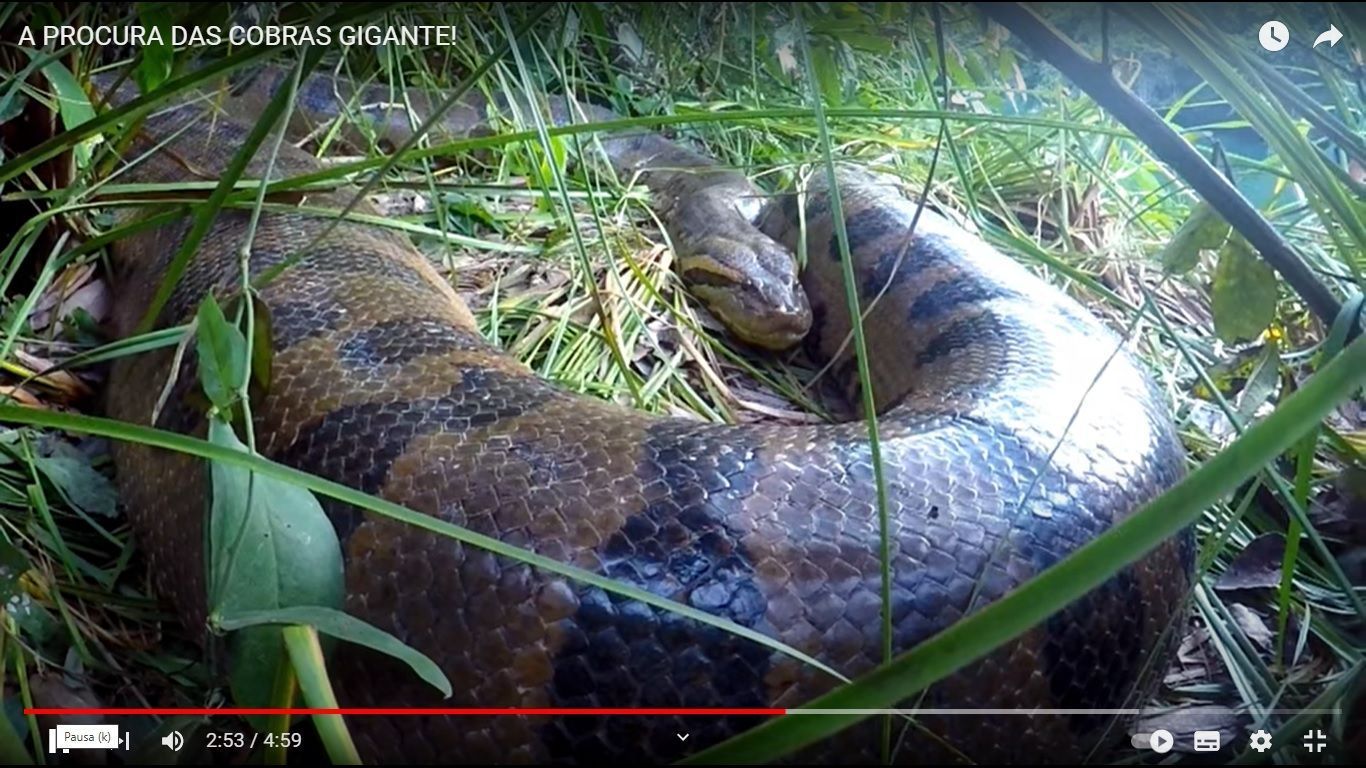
(1261, 741)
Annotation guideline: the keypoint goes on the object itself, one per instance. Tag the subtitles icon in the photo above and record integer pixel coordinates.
(1206, 741)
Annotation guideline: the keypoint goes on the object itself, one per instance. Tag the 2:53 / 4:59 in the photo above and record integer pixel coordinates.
(238, 740)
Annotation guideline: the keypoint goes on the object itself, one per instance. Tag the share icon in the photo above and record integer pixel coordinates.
(1332, 36)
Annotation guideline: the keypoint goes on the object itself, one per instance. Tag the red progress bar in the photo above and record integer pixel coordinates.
(404, 711)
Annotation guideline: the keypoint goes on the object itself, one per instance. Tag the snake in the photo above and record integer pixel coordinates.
(1013, 426)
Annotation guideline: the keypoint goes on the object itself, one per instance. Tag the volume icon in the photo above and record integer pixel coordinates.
(173, 740)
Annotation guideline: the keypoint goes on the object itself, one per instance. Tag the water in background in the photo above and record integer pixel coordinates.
(1165, 80)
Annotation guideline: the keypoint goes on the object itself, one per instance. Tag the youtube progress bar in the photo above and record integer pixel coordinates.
(597, 711)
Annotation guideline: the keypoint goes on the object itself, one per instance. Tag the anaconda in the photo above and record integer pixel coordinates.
(1013, 425)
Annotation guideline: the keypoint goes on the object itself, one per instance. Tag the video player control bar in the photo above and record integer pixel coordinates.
(596, 711)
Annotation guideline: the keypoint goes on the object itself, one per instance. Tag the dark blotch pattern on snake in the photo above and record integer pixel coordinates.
(1004, 451)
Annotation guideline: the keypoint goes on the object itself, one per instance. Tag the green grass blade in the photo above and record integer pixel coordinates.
(306, 654)
(851, 297)
(332, 622)
(282, 696)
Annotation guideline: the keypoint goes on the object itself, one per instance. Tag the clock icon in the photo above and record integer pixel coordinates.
(1274, 36)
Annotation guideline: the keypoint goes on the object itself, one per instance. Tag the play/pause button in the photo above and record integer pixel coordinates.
(1161, 741)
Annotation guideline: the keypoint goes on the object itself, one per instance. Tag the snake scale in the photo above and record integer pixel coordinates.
(1013, 427)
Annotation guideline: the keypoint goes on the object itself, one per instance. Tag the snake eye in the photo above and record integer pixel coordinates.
(699, 276)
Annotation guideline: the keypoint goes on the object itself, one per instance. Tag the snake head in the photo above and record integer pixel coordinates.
(749, 282)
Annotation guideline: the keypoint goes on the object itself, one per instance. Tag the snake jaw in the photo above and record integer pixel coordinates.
(789, 318)
(750, 283)
(780, 331)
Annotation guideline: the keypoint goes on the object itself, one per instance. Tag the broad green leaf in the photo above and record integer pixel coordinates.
(1205, 230)
(12, 106)
(569, 35)
(271, 546)
(958, 74)
(13, 565)
(630, 42)
(72, 104)
(1006, 68)
(13, 750)
(827, 70)
(1229, 375)
(77, 481)
(345, 627)
(33, 620)
(155, 66)
(863, 41)
(222, 355)
(271, 543)
(1261, 384)
(255, 657)
(976, 69)
(554, 165)
(1243, 297)
(1352, 314)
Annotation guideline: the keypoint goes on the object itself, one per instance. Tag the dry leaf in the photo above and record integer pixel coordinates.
(1258, 566)
(77, 287)
(1253, 626)
(787, 59)
(22, 395)
(63, 382)
(1340, 511)
(1193, 661)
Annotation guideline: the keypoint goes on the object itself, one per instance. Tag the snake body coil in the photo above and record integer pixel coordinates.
(1012, 427)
